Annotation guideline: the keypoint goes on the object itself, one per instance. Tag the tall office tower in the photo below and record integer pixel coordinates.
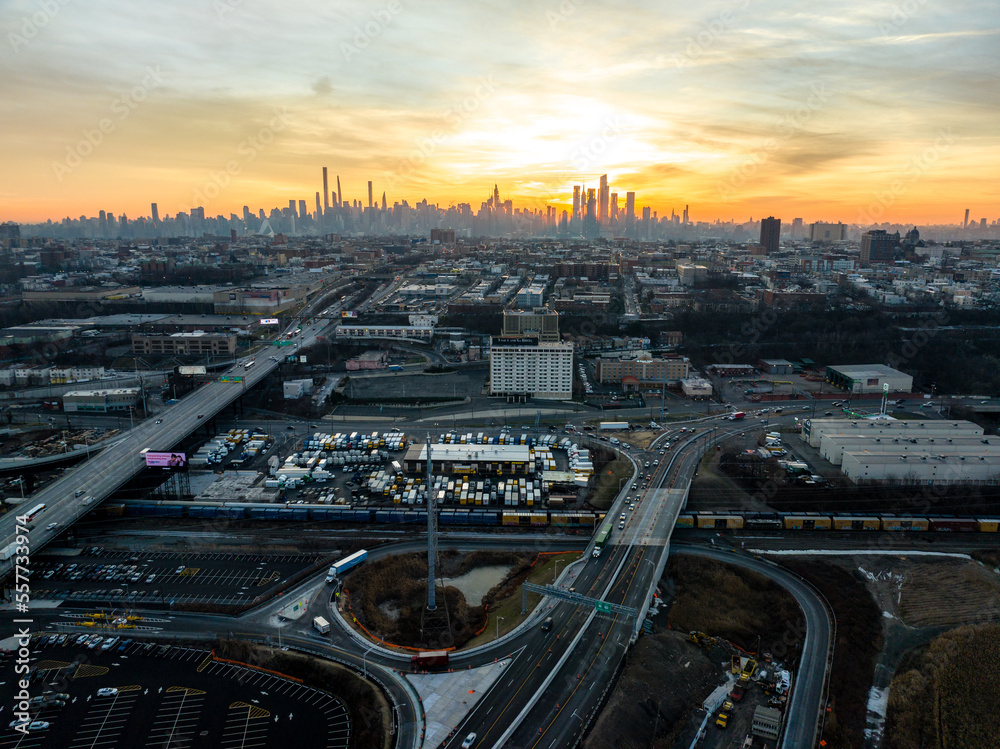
(770, 233)
(576, 201)
(982, 224)
(291, 222)
(613, 210)
(645, 221)
(155, 212)
(260, 214)
(326, 192)
(247, 216)
(496, 196)
(303, 211)
(591, 203)
(685, 214)
(602, 200)
(291, 207)
(333, 200)
(966, 222)
(340, 193)
(370, 194)
(319, 207)
(629, 206)
(797, 228)
(384, 204)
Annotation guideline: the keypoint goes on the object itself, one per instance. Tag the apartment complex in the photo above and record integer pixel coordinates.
(643, 372)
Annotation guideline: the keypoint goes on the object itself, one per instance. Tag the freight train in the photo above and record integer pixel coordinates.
(558, 519)
(808, 521)
(337, 514)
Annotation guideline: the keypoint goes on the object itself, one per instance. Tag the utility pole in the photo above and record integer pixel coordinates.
(431, 532)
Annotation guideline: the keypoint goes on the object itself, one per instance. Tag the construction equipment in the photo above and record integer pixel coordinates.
(737, 667)
(700, 638)
(748, 669)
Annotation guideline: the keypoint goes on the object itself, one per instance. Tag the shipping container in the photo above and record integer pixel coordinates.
(953, 524)
(856, 524)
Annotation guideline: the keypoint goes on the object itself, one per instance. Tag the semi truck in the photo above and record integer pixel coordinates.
(322, 625)
(614, 425)
(345, 564)
(429, 659)
(737, 415)
(602, 539)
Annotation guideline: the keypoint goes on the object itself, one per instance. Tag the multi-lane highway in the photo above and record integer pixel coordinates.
(78, 491)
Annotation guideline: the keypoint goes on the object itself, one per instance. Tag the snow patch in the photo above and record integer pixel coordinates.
(878, 701)
(857, 553)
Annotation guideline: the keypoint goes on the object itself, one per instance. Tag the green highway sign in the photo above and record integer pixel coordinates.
(284, 343)
(231, 378)
(603, 606)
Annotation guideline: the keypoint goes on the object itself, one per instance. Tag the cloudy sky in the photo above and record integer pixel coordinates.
(827, 111)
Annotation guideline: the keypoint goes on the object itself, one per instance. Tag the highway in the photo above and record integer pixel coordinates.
(66, 499)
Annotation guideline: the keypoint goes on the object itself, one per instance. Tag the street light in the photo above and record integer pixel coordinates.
(555, 570)
(498, 626)
(364, 660)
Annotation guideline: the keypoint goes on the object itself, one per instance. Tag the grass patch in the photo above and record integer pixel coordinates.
(606, 488)
(735, 604)
(508, 607)
(949, 697)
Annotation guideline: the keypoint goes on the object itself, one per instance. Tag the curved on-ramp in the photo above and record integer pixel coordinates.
(802, 718)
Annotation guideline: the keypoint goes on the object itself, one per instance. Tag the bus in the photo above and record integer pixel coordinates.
(602, 538)
(33, 513)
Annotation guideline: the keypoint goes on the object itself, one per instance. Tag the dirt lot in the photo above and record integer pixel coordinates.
(946, 695)
(948, 592)
(666, 678)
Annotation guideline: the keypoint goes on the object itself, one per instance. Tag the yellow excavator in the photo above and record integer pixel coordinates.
(700, 638)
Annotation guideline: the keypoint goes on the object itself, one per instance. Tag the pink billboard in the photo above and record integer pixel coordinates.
(166, 460)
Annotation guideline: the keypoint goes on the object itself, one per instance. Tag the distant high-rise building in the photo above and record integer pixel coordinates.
(340, 193)
(613, 208)
(877, 246)
(326, 192)
(966, 222)
(384, 204)
(629, 205)
(591, 204)
(303, 210)
(247, 215)
(796, 228)
(319, 207)
(824, 233)
(685, 214)
(602, 200)
(370, 194)
(291, 207)
(770, 232)
(156, 212)
(576, 201)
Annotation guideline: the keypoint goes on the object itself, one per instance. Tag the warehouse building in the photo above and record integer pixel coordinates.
(833, 447)
(197, 342)
(973, 466)
(450, 459)
(869, 378)
(696, 387)
(100, 401)
(813, 430)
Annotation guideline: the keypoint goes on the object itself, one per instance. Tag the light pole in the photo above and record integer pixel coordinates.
(364, 660)
(555, 570)
(498, 626)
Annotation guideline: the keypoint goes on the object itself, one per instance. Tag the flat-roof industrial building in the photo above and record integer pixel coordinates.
(501, 460)
(868, 378)
(813, 430)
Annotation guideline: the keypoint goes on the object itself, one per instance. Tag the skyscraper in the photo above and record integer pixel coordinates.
(576, 201)
(303, 210)
(966, 222)
(319, 208)
(369, 193)
(326, 192)
(602, 200)
(629, 206)
(340, 193)
(770, 233)
(685, 214)
(291, 207)
(877, 246)
(797, 228)
(155, 212)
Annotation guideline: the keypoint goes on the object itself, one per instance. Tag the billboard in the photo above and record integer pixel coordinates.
(349, 313)
(166, 460)
(269, 321)
(191, 370)
(302, 360)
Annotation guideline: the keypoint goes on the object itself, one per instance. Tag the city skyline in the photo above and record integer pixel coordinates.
(834, 113)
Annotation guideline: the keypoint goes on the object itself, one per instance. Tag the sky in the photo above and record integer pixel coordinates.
(837, 111)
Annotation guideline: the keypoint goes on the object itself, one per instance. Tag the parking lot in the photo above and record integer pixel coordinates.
(137, 694)
(124, 577)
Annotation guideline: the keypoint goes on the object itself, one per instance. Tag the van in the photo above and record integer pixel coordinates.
(547, 624)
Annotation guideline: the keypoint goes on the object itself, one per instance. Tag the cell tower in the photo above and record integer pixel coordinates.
(431, 532)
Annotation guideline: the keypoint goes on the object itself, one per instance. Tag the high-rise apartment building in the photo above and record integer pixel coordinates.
(877, 247)
(155, 211)
(540, 321)
(770, 234)
(602, 200)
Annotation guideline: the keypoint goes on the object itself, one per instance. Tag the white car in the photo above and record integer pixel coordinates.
(38, 725)
(107, 692)
(469, 741)
(51, 526)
